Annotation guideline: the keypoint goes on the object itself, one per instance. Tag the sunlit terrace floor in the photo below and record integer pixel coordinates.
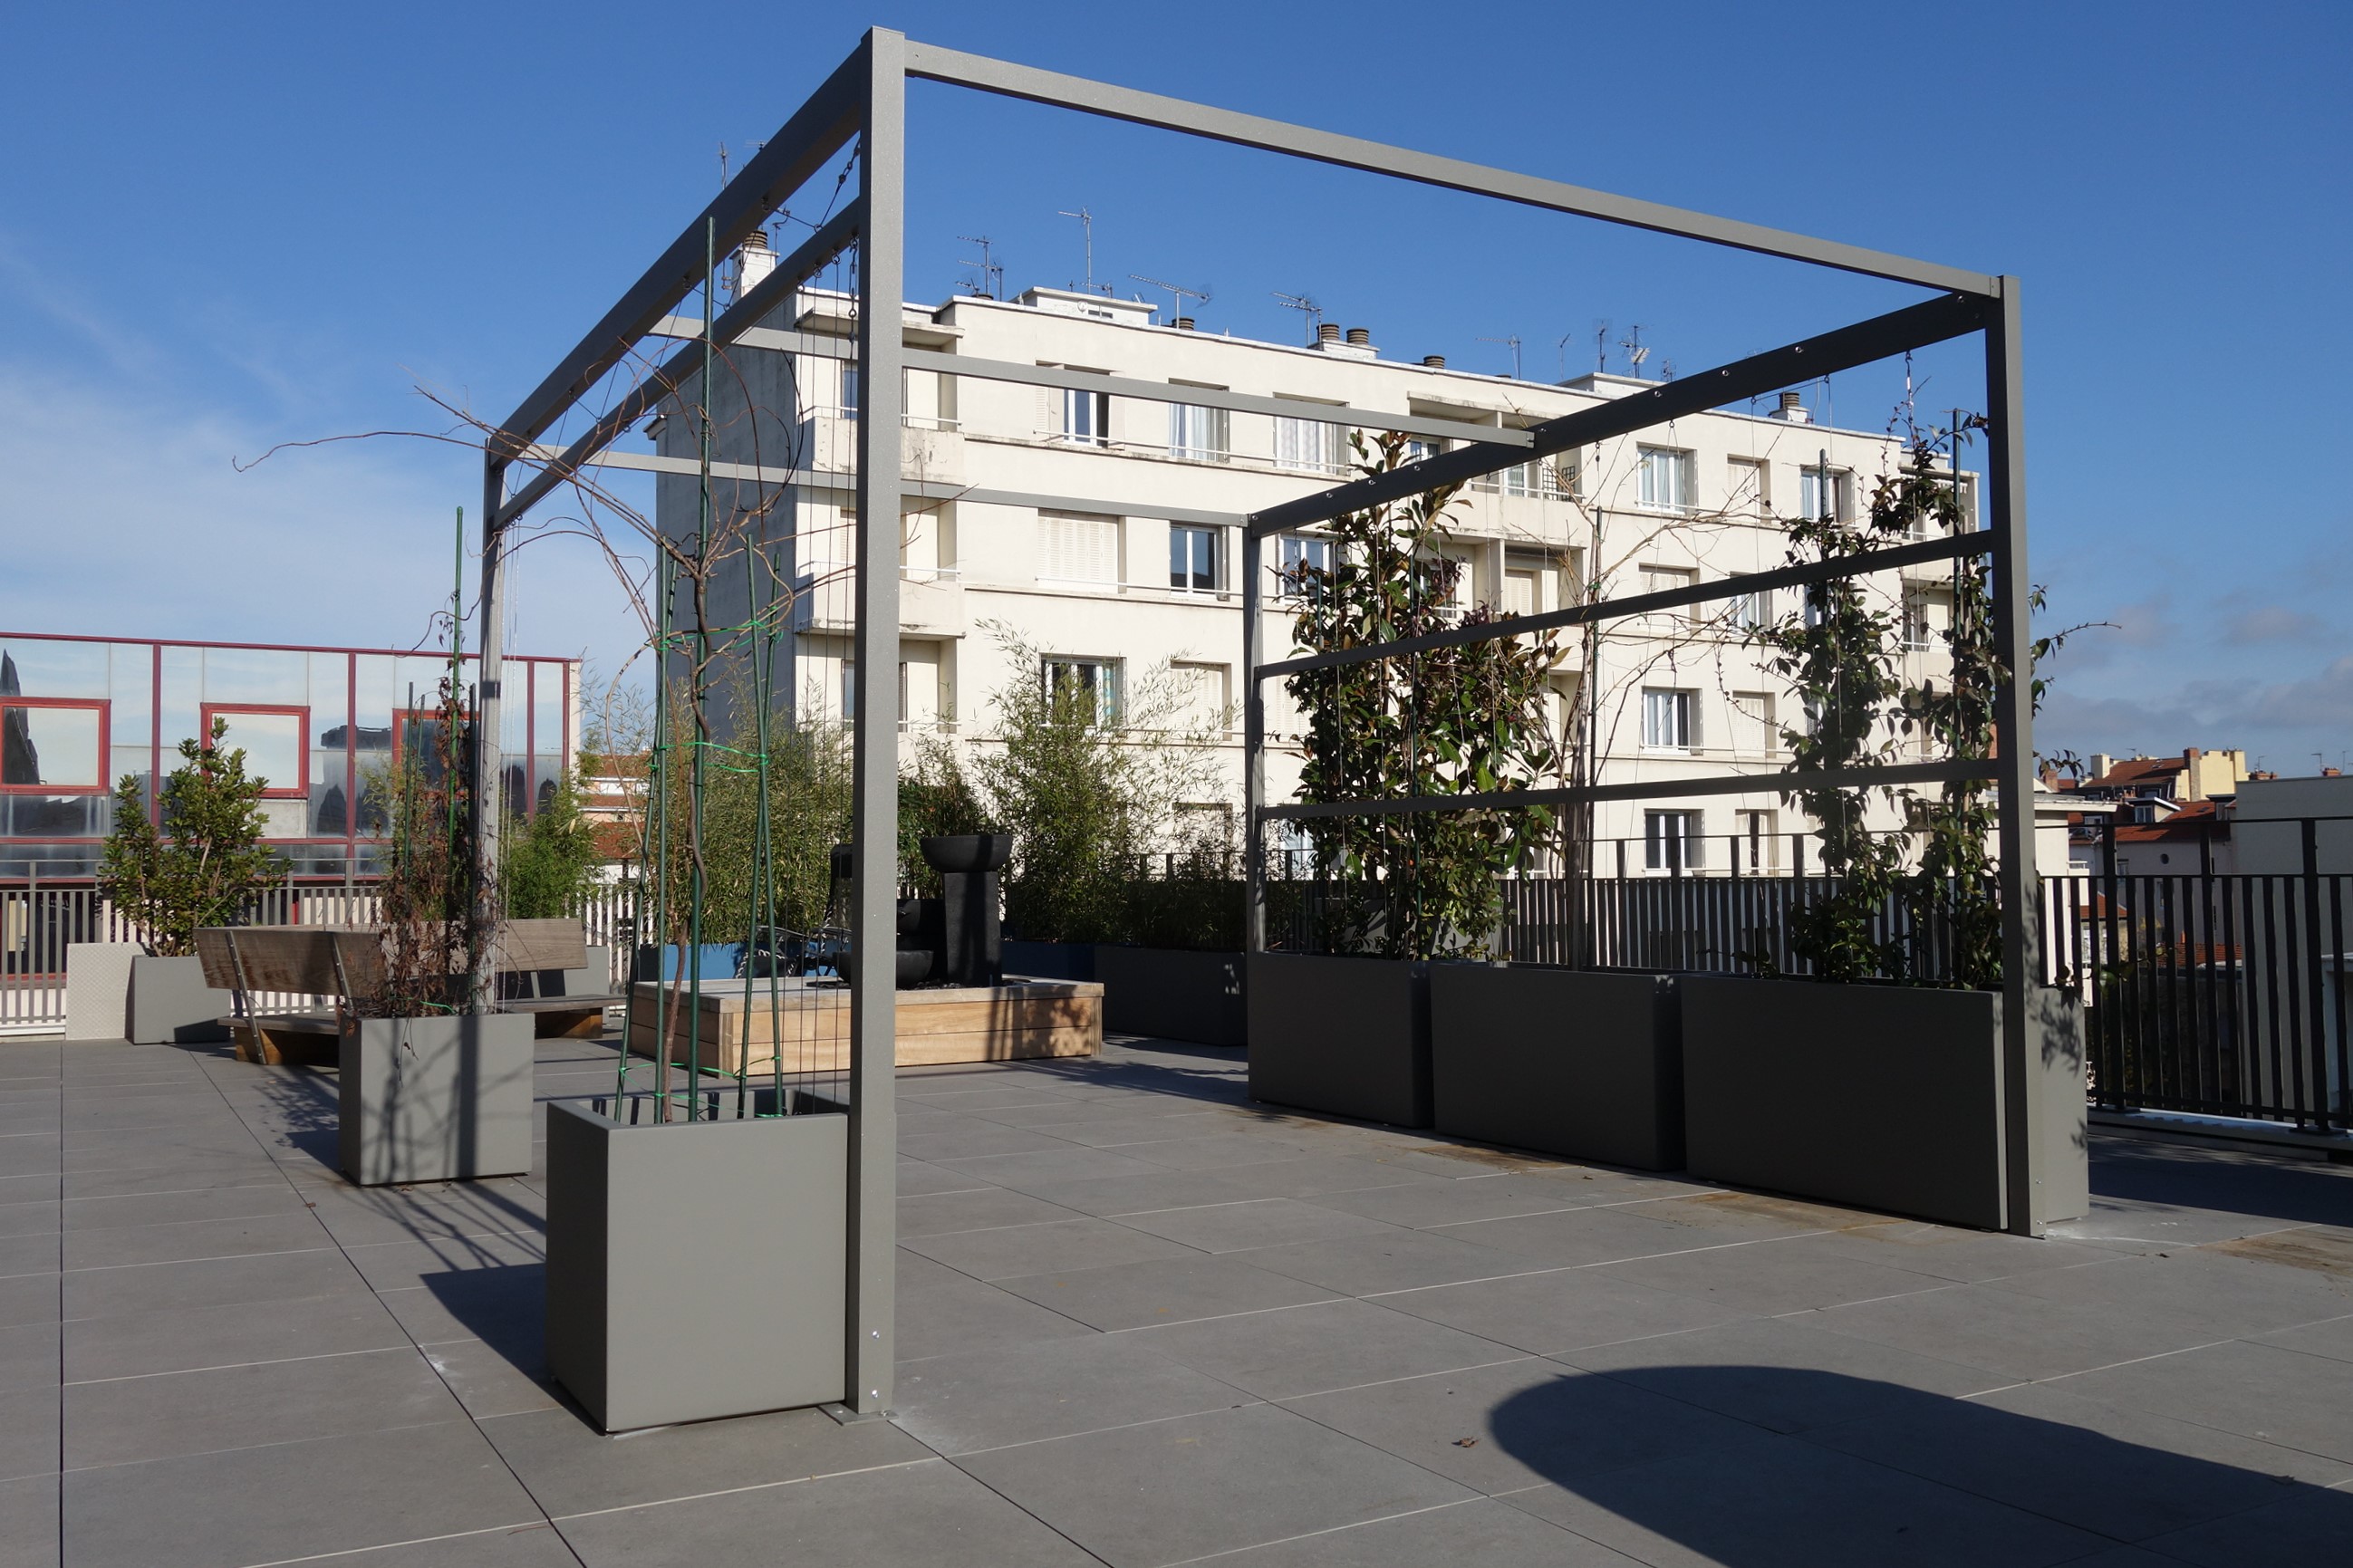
(1146, 1322)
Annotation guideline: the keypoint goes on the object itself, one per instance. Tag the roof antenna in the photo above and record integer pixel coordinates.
(1305, 306)
(1600, 348)
(1512, 342)
(1177, 295)
(1562, 348)
(1635, 353)
(1087, 226)
(989, 274)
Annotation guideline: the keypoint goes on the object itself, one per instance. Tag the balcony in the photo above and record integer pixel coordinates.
(931, 448)
(931, 601)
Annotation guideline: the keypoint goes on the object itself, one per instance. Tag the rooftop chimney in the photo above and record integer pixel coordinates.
(1183, 324)
(1792, 410)
(1435, 361)
(754, 261)
(2099, 762)
(1327, 331)
(1361, 337)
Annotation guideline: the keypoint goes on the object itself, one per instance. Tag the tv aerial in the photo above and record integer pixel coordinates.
(1635, 353)
(1177, 293)
(988, 280)
(1512, 342)
(1304, 306)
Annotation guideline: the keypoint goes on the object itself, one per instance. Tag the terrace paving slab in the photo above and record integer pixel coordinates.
(1141, 1320)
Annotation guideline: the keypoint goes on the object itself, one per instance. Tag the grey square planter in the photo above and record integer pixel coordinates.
(695, 1269)
(1885, 1097)
(1581, 1065)
(436, 1100)
(1173, 995)
(1049, 960)
(171, 1003)
(1347, 1035)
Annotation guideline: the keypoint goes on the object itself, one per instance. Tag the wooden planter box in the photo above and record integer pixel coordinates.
(436, 1100)
(1345, 1036)
(1581, 1065)
(1173, 995)
(1883, 1097)
(740, 1031)
(664, 1305)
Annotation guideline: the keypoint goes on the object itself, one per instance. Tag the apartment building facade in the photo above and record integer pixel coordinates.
(1088, 536)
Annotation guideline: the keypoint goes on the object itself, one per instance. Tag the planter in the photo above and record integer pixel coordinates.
(1345, 1036)
(1879, 1096)
(98, 989)
(663, 1304)
(436, 1099)
(170, 1002)
(967, 853)
(1050, 960)
(721, 961)
(1581, 1065)
(1173, 995)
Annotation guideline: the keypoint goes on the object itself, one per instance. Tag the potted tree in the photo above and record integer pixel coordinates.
(1876, 1078)
(202, 866)
(430, 1089)
(1347, 1025)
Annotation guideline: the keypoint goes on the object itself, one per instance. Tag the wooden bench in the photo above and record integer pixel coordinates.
(344, 962)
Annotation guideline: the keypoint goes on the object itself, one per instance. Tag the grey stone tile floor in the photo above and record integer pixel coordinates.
(1145, 1322)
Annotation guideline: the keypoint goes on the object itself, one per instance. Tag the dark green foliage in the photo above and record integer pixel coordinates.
(1468, 719)
(936, 798)
(206, 863)
(552, 863)
(433, 940)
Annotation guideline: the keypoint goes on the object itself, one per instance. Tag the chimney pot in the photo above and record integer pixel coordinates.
(1360, 336)
(1183, 324)
(1435, 361)
(1327, 331)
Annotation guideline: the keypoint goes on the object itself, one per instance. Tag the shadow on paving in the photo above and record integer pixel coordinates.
(505, 1307)
(2304, 1192)
(1851, 1469)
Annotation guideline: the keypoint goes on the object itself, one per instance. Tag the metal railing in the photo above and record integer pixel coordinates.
(39, 922)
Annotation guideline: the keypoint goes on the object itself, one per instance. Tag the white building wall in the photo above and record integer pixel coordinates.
(970, 567)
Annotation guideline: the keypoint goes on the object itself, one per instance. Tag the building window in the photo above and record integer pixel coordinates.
(1086, 417)
(1752, 611)
(1565, 475)
(1075, 548)
(1199, 433)
(1302, 563)
(1669, 580)
(1916, 634)
(1667, 720)
(417, 733)
(1754, 734)
(274, 741)
(1193, 560)
(852, 380)
(1666, 478)
(1089, 687)
(1421, 448)
(1837, 497)
(1309, 445)
(1521, 593)
(52, 746)
(1760, 844)
(1671, 840)
(1749, 484)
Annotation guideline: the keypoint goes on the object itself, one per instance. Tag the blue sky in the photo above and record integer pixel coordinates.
(223, 227)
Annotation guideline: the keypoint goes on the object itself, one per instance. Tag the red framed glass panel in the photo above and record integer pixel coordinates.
(53, 745)
(276, 740)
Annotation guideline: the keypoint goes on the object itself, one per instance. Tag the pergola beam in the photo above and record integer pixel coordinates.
(817, 129)
(933, 63)
(1881, 337)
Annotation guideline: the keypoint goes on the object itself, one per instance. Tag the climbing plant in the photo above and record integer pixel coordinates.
(1472, 719)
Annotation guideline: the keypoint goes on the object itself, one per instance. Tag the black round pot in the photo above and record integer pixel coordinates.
(968, 851)
(914, 967)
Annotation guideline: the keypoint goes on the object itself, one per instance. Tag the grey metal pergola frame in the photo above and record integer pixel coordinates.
(864, 102)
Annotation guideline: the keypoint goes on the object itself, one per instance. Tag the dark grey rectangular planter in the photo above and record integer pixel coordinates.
(436, 1100)
(1050, 960)
(1347, 1035)
(1173, 995)
(171, 1003)
(695, 1269)
(1581, 1065)
(1883, 1097)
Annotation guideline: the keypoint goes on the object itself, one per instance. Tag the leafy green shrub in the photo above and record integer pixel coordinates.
(206, 863)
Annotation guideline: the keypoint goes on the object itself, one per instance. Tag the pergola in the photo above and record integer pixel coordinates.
(863, 103)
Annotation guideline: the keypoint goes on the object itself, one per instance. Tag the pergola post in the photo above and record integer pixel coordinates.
(2023, 1112)
(489, 808)
(874, 769)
